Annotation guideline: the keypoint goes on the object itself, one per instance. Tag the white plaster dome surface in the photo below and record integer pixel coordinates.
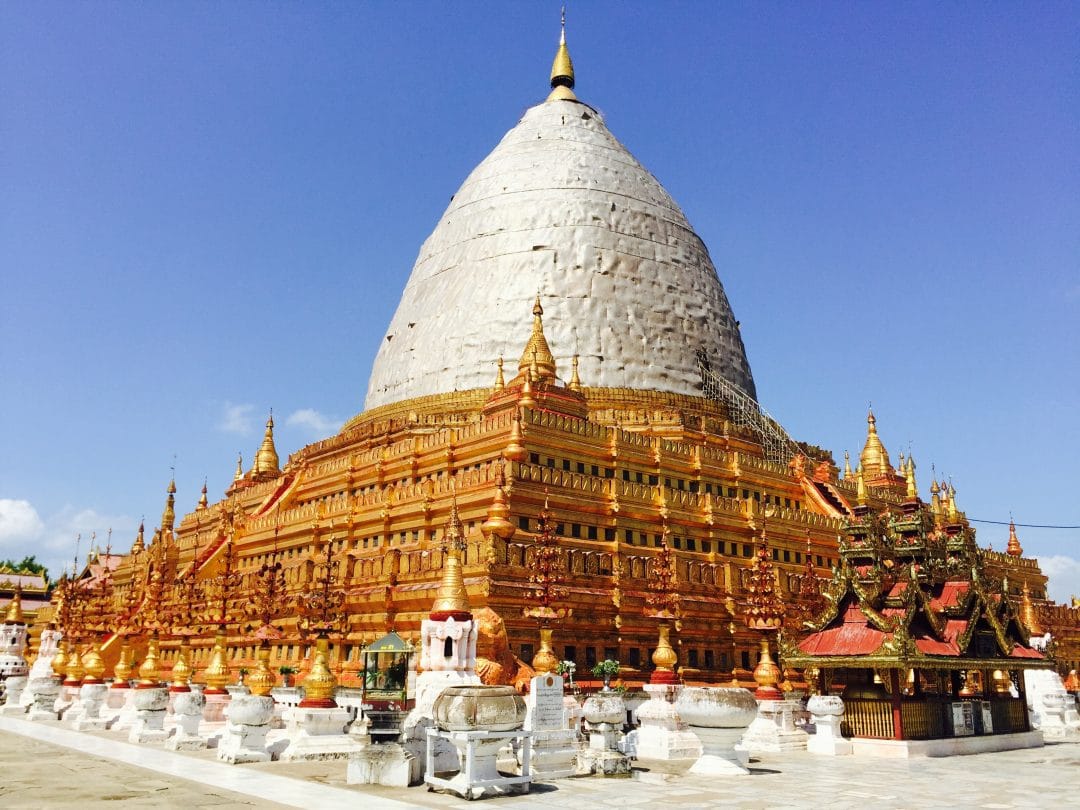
(560, 207)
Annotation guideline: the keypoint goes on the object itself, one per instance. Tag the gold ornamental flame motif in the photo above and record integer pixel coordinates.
(545, 659)
(664, 657)
(320, 682)
(93, 666)
(122, 670)
(59, 662)
(148, 670)
(181, 671)
(217, 671)
(261, 681)
(75, 671)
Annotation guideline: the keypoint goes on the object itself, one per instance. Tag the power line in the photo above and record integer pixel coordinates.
(1021, 525)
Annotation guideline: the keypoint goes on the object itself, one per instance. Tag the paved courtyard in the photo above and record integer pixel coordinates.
(41, 769)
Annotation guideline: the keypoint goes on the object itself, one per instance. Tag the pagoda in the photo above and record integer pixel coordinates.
(917, 638)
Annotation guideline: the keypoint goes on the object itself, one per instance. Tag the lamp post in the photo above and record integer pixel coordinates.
(663, 602)
(320, 612)
(764, 613)
(547, 574)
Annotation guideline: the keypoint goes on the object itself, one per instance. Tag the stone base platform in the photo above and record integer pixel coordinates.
(953, 746)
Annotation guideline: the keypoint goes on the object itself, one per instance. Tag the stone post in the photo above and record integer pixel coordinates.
(92, 697)
(244, 737)
(827, 712)
(13, 700)
(188, 710)
(718, 716)
(150, 705)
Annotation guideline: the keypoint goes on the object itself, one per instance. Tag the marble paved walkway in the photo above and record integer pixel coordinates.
(46, 765)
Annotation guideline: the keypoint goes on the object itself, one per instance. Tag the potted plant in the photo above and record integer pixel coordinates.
(566, 668)
(243, 674)
(286, 675)
(606, 669)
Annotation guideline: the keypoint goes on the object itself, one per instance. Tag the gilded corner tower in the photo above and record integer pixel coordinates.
(564, 360)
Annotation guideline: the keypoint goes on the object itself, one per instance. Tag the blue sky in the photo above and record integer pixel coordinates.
(210, 210)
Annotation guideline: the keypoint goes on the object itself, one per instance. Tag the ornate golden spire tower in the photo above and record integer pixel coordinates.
(1013, 548)
(204, 501)
(140, 540)
(452, 600)
(266, 459)
(239, 475)
(168, 516)
(562, 69)
(537, 352)
(1028, 616)
(874, 460)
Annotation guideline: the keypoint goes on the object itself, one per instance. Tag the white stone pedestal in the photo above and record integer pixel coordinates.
(661, 732)
(149, 725)
(718, 716)
(127, 714)
(554, 745)
(376, 763)
(43, 692)
(604, 714)
(827, 712)
(188, 709)
(244, 736)
(15, 685)
(774, 730)
(478, 757)
(317, 734)
(92, 697)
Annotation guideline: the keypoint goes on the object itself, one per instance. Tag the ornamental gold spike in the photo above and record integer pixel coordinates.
(562, 69)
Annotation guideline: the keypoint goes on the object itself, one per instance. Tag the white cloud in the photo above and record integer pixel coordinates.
(52, 541)
(238, 419)
(313, 421)
(19, 523)
(1064, 576)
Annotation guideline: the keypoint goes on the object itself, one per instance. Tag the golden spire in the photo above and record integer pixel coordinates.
(909, 474)
(168, 516)
(500, 383)
(203, 500)
(239, 468)
(847, 465)
(498, 518)
(951, 509)
(562, 69)
(14, 608)
(266, 459)
(1028, 616)
(452, 600)
(575, 379)
(537, 352)
(874, 460)
(860, 487)
(515, 450)
(1013, 548)
(140, 540)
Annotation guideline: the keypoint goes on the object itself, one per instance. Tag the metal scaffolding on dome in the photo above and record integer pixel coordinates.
(744, 411)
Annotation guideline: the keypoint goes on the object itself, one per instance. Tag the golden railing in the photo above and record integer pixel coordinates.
(866, 717)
